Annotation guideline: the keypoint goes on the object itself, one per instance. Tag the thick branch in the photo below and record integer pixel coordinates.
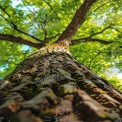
(20, 40)
(84, 40)
(77, 20)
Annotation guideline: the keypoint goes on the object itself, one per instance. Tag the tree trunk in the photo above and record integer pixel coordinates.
(51, 86)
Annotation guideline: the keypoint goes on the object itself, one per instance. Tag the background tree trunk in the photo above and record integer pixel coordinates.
(51, 86)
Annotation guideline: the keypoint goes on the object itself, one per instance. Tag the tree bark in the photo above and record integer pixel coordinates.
(52, 86)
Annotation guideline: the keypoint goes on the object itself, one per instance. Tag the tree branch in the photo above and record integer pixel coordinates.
(48, 4)
(46, 40)
(20, 40)
(15, 26)
(90, 39)
(84, 40)
(116, 30)
(78, 19)
(93, 59)
(108, 27)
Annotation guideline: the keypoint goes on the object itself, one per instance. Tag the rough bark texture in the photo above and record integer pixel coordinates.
(51, 86)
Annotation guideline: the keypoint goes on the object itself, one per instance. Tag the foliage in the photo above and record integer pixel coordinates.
(114, 81)
(48, 18)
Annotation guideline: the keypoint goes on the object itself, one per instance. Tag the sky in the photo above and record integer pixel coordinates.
(119, 75)
(113, 72)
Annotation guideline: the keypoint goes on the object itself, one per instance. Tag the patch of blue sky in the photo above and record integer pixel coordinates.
(16, 2)
(119, 75)
(1, 28)
(27, 8)
(3, 67)
(27, 48)
(113, 72)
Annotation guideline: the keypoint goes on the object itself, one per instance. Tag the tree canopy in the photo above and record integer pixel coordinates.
(27, 25)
